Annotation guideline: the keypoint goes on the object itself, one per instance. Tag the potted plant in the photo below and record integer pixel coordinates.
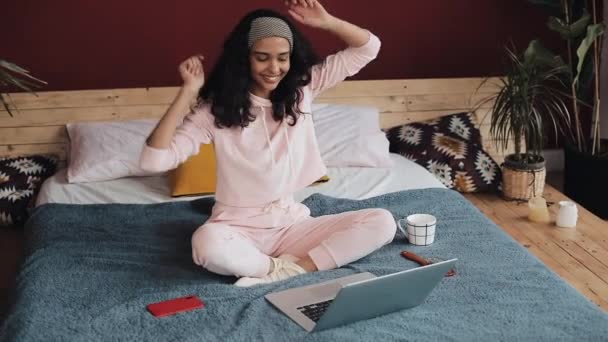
(528, 99)
(13, 76)
(585, 154)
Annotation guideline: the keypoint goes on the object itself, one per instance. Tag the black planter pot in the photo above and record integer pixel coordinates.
(537, 163)
(586, 180)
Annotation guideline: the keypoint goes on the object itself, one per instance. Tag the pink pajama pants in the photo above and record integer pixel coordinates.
(239, 241)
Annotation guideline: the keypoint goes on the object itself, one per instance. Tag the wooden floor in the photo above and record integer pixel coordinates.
(579, 255)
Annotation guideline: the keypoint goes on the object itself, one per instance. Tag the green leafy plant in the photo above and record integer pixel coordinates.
(529, 95)
(14, 76)
(576, 21)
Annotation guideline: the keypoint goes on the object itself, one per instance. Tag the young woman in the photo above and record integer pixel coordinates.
(255, 108)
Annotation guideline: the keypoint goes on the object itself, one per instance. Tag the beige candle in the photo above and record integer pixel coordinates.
(538, 210)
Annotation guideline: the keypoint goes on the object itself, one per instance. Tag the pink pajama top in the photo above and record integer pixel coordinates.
(267, 161)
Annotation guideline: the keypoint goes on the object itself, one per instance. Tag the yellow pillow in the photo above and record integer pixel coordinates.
(323, 179)
(197, 175)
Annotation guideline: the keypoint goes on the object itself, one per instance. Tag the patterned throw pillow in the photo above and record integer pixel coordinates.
(20, 180)
(450, 148)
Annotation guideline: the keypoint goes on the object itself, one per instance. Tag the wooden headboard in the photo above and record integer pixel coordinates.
(38, 124)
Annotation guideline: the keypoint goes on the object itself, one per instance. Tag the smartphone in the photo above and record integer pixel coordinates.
(176, 305)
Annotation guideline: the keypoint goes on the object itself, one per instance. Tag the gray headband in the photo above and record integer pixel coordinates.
(265, 27)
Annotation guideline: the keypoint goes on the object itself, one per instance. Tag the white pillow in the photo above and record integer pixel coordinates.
(350, 136)
(347, 136)
(107, 150)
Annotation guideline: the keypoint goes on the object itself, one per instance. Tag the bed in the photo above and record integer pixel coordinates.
(96, 254)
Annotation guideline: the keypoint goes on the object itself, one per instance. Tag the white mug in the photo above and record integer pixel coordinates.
(567, 214)
(419, 229)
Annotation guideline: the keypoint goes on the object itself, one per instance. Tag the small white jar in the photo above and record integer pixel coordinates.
(567, 214)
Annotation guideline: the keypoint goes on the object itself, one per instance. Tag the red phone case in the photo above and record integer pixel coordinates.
(176, 305)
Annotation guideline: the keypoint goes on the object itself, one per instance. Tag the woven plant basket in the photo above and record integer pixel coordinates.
(523, 183)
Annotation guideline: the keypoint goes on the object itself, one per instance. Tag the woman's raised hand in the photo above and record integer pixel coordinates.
(192, 73)
(309, 12)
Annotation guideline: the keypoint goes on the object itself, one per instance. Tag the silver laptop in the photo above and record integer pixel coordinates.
(359, 296)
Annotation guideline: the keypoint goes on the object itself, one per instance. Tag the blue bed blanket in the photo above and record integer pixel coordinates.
(90, 271)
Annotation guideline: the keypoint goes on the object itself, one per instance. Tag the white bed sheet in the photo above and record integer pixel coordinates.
(351, 182)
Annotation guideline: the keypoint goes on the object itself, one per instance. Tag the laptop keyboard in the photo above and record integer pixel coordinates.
(316, 310)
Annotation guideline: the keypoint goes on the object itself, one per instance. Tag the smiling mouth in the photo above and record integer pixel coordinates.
(271, 79)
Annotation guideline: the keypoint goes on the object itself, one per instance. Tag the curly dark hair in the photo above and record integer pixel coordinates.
(227, 87)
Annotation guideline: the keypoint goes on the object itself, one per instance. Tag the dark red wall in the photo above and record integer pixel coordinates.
(88, 44)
